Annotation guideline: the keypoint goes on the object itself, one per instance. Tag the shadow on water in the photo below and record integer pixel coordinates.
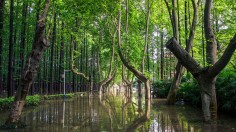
(116, 113)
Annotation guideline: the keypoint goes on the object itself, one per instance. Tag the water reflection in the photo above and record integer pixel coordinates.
(116, 113)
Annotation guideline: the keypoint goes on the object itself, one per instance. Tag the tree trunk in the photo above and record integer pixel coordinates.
(139, 89)
(30, 69)
(10, 59)
(23, 33)
(62, 58)
(162, 56)
(207, 95)
(211, 49)
(52, 54)
(2, 4)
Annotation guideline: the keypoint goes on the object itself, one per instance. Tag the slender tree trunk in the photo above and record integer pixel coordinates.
(10, 59)
(162, 56)
(62, 58)
(23, 35)
(126, 80)
(52, 54)
(175, 20)
(30, 69)
(2, 4)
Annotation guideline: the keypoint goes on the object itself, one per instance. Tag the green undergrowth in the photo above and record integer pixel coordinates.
(5, 103)
(189, 90)
(35, 100)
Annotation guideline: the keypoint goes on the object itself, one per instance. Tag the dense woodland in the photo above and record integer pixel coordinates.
(122, 42)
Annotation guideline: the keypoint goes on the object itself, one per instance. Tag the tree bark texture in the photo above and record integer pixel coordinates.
(30, 69)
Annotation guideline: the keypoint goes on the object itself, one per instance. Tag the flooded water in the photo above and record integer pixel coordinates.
(117, 114)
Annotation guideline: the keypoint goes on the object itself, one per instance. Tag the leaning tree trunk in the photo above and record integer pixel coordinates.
(30, 69)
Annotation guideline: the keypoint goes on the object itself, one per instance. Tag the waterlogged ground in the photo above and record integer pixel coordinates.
(117, 114)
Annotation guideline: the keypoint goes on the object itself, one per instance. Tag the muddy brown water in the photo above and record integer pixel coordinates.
(117, 114)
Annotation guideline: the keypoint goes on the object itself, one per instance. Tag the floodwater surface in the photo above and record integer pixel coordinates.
(117, 114)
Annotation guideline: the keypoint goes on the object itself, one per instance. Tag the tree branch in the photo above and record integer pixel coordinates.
(225, 58)
(183, 56)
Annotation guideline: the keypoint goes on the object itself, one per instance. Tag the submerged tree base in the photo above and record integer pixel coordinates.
(16, 125)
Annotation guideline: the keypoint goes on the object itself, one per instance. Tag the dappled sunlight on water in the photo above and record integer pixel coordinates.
(116, 113)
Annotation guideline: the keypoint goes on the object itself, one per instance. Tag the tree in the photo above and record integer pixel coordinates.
(206, 77)
(30, 69)
(137, 73)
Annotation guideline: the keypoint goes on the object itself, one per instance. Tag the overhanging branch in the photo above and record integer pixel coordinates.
(183, 56)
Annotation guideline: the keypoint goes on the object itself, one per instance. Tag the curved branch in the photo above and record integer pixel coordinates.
(75, 70)
(137, 73)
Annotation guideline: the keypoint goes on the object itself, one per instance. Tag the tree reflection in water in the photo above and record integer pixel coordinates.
(115, 113)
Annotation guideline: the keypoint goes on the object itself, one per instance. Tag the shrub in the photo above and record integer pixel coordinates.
(33, 100)
(161, 88)
(189, 91)
(226, 90)
(5, 103)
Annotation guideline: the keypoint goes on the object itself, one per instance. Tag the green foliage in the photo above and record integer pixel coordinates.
(5, 103)
(226, 90)
(189, 91)
(33, 100)
(161, 88)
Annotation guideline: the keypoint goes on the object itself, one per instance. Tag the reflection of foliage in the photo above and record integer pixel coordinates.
(126, 108)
